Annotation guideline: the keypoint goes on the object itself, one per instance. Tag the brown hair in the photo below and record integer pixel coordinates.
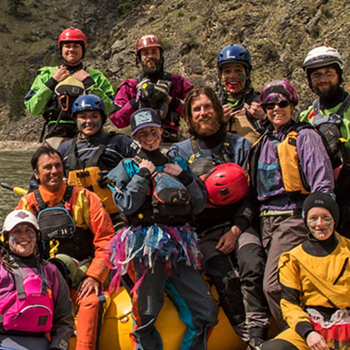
(196, 92)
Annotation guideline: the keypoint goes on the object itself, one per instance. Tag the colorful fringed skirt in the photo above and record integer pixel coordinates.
(162, 243)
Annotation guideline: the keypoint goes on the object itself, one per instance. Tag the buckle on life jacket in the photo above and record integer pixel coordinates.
(82, 174)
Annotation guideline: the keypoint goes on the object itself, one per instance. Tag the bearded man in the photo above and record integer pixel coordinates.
(226, 237)
(153, 88)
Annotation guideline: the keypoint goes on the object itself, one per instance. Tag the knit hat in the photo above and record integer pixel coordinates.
(323, 200)
(143, 118)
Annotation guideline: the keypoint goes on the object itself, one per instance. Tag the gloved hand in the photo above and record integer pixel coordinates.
(103, 180)
(145, 90)
(161, 90)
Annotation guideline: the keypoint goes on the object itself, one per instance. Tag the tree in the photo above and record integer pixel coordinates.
(18, 91)
(13, 6)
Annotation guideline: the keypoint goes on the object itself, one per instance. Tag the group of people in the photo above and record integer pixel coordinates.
(252, 199)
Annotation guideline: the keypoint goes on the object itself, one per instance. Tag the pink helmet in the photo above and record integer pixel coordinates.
(148, 41)
(226, 184)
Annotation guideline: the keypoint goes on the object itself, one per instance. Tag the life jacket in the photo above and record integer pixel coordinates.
(86, 175)
(59, 108)
(202, 165)
(58, 231)
(170, 119)
(293, 177)
(30, 307)
(168, 200)
(329, 129)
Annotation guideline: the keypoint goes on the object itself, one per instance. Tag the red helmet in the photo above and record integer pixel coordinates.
(148, 41)
(72, 34)
(226, 184)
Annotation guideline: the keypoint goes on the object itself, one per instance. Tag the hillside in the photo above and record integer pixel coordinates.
(277, 33)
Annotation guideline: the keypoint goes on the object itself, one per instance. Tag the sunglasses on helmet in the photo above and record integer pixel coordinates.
(280, 104)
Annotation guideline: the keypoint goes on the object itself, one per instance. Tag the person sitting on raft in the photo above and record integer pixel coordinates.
(158, 196)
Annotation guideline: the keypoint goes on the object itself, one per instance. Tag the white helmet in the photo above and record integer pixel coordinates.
(322, 56)
(19, 216)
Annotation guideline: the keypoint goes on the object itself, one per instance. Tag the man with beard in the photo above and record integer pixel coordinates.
(330, 114)
(153, 88)
(226, 236)
(242, 110)
(55, 88)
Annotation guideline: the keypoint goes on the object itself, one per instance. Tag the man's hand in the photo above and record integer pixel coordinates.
(161, 91)
(81, 74)
(227, 242)
(61, 74)
(315, 341)
(88, 286)
(256, 111)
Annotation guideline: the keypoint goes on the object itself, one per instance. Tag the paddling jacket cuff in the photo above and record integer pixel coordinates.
(174, 103)
(145, 173)
(51, 83)
(88, 82)
(304, 329)
(241, 222)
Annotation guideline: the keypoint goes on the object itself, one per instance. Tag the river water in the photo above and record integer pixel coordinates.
(15, 170)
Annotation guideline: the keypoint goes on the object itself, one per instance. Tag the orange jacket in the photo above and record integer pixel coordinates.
(87, 211)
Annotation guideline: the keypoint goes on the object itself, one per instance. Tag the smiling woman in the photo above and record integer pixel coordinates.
(288, 162)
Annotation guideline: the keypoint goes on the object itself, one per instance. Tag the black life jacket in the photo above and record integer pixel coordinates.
(58, 231)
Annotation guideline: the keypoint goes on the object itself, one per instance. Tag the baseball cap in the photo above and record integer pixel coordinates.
(143, 118)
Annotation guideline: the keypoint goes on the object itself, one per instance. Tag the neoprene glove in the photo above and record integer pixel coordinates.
(161, 90)
(103, 180)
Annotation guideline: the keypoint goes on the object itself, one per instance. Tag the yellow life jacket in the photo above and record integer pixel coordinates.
(87, 178)
(86, 175)
(293, 177)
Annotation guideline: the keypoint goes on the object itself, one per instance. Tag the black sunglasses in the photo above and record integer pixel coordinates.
(280, 104)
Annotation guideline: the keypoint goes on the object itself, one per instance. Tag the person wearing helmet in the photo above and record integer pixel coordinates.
(73, 221)
(20, 266)
(154, 88)
(287, 163)
(242, 110)
(158, 197)
(224, 228)
(94, 152)
(330, 115)
(315, 281)
(55, 88)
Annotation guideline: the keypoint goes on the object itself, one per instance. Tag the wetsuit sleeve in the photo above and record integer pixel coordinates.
(63, 318)
(102, 88)
(314, 161)
(124, 105)
(40, 93)
(296, 318)
(131, 192)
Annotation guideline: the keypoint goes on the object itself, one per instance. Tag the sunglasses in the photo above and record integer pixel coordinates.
(280, 104)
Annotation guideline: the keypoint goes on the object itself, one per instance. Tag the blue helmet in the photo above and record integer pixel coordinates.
(234, 53)
(89, 103)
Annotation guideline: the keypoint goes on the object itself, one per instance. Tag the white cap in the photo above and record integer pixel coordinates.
(17, 217)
